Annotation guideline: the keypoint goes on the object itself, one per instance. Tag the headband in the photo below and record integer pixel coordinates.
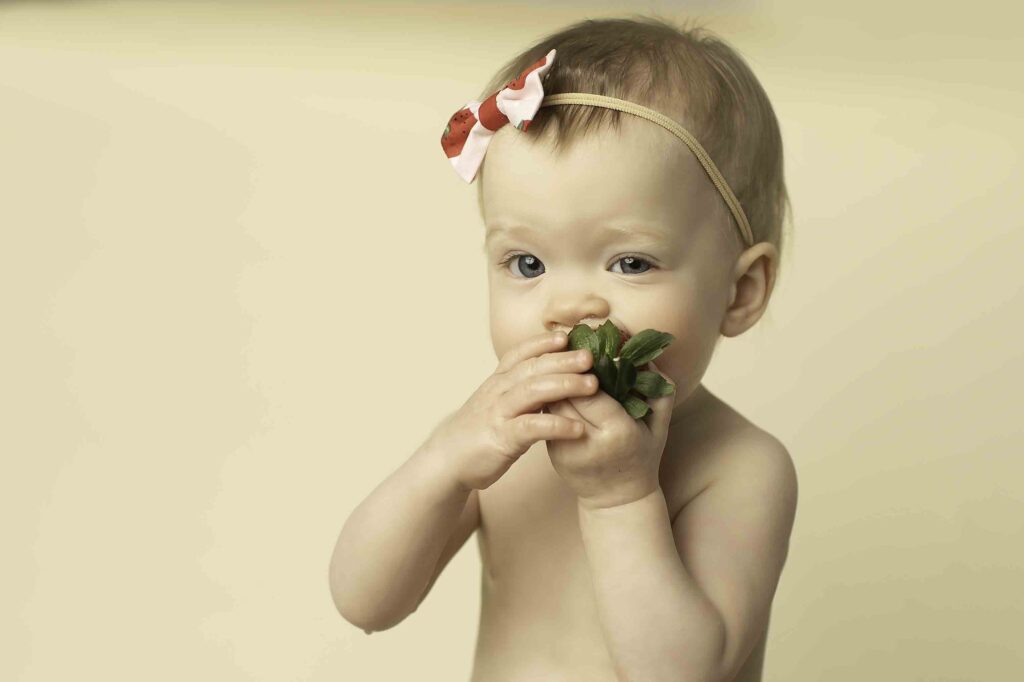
(470, 129)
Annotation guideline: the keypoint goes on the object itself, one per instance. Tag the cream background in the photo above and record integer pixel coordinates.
(227, 317)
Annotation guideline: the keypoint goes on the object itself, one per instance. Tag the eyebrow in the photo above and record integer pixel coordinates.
(652, 235)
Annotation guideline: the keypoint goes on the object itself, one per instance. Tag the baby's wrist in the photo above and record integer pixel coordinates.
(439, 466)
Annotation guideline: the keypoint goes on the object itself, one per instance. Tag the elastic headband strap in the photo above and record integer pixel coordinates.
(651, 115)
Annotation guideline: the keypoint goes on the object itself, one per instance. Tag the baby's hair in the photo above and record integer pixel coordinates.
(686, 73)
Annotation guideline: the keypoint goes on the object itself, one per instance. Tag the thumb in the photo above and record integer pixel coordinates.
(661, 407)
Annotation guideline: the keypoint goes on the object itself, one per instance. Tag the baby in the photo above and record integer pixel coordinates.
(613, 547)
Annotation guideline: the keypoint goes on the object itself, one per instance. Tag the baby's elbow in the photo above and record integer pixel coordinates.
(365, 625)
(367, 621)
(362, 621)
(343, 606)
(352, 603)
(368, 625)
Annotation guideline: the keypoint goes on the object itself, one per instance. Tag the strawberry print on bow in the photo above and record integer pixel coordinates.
(471, 128)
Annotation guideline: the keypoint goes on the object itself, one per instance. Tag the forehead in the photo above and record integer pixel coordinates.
(640, 177)
(637, 232)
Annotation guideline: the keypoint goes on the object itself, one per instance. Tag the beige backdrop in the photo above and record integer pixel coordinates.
(240, 283)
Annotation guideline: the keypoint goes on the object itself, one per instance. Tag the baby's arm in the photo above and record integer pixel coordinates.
(397, 541)
(389, 551)
(689, 599)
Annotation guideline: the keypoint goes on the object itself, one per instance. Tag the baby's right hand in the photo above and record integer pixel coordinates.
(500, 421)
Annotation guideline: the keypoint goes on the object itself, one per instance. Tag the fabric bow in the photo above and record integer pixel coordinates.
(471, 128)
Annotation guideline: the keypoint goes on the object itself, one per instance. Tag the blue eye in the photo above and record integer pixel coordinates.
(532, 264)
(533, 261)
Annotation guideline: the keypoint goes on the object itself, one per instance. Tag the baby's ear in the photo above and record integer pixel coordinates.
(753, 279)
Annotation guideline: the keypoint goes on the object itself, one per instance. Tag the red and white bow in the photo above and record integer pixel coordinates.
(471, 128)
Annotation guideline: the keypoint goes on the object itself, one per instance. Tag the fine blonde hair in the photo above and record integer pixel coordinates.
(671, 68)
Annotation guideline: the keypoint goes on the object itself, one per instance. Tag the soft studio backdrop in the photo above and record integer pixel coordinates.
(240, 283)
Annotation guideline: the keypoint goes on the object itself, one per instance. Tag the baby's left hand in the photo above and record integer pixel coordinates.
(617, 459)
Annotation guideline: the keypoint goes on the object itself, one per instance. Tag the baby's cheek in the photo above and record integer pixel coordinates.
(682, 362)
(506, 333)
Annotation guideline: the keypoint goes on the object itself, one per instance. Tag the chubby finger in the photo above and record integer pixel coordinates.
(527, 429)
(531, 395)
(532, 347)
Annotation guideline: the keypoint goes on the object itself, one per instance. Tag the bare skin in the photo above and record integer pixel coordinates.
(538, 617)
(565, 245)
(551, 266)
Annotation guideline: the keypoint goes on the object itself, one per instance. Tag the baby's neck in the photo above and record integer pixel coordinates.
(689, 405)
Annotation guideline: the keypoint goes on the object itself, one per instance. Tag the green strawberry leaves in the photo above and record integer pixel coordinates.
(617, 364)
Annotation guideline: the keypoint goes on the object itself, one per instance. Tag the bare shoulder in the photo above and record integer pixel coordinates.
(733, 534)
(749, 458)
(724, 448)
(745, 447)
(760, 464)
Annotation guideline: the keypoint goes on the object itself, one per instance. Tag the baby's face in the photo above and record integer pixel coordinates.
(554, 258)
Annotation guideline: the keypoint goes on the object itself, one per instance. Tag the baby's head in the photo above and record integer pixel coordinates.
(592, 214)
